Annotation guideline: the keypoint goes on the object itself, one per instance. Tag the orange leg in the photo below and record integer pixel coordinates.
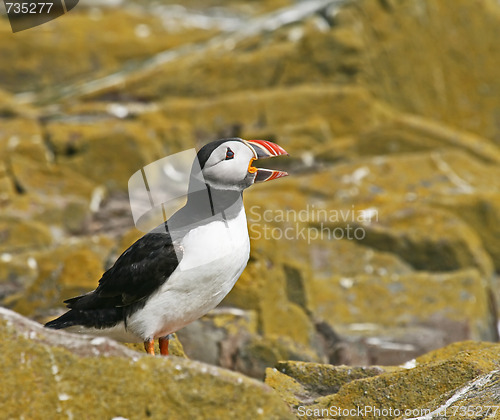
(163, 341)
(149, 346)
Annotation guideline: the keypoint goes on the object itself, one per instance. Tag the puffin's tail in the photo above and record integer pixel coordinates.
(90, 318)
(66, 320)
(90, 310)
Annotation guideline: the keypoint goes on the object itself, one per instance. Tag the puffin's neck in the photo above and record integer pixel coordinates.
(205, 204)
(226, 202)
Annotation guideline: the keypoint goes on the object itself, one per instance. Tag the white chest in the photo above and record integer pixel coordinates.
(214, 257)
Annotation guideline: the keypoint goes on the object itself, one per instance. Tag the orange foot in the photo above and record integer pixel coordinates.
(149, 346)
(163, 341)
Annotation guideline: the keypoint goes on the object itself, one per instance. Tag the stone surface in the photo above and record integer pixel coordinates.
(90, 149)
(19, 235)
(131, 35)
(313, 390)
(47, 372)
(479, 397)
(454, 88)
(72, 268)
(228, 337)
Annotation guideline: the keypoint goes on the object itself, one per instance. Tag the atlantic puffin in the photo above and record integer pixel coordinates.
(182, 269)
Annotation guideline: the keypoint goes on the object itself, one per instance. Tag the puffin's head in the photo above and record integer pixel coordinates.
(227, 164)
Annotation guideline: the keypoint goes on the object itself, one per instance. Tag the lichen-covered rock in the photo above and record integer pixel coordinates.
(91, 150)
(261, 352)
(459, 300)
(275, 56)
(480, 211)
(229, 337)
(318, 380)
(479, 397)
(17, 234)
(47, 372)
(433, 91)
(80, 54)
(403, 133)
(45, 179)
(412, 149)
(427, 238)
(265, 288)
(311, 389)
(402, 208)
(300, 116)
(17, 272)
(218, 336)
(366, 344)
(7, 183)
(62, 272)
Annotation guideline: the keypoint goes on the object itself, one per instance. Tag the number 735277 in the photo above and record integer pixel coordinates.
(28, 7)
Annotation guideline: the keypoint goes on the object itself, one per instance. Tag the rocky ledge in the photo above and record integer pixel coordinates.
(46, 372)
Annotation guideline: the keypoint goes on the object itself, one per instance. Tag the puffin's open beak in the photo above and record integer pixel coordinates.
(264, 149)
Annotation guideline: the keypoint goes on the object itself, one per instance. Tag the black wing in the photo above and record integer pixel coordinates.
(136, 274)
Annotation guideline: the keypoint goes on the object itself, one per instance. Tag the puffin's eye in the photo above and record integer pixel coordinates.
(229, 154)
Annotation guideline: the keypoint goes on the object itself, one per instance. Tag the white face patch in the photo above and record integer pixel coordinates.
(227, 166)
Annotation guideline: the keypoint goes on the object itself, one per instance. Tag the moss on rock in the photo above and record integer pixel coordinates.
(304, 385)
(18, 234)
(62, 272)
(460, 299)
(47, 372)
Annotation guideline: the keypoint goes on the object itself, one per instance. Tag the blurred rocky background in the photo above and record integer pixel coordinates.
(382, 245)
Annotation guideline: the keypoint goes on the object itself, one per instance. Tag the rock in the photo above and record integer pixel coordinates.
(261, 352)
(299, 382)
(368, 344)
(17, 234)
(271, 45)
(45, 179)
(432, 91)
(72, 268)
(91, 150)
(480, 393)
(421, 238)
(17, 272)
(407, 133)
(21, 135)
(35, 186)
(480, 211)
(478, 397)
(427, 238)
(218, 336)
(313, 390)
(304, 110)
(411, 149)
(228, 337)
(7, 104)
(7, 184)
(453, 301)
(406, 205)
(132, 36)
(263, 288)
(63, 373)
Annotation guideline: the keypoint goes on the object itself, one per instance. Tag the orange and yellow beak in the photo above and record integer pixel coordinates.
(264, 149)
